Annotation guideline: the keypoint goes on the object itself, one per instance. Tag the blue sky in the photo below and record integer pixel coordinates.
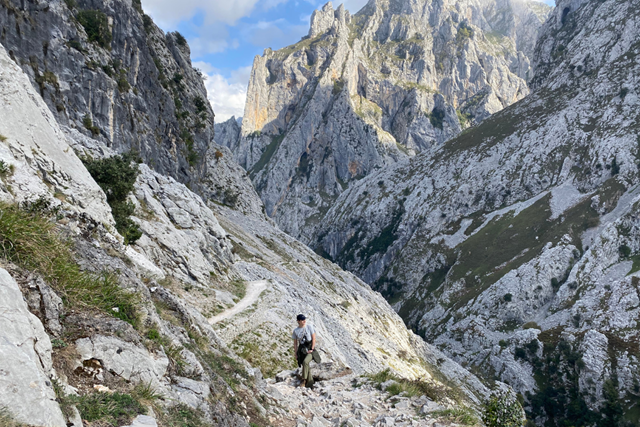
(225, 36)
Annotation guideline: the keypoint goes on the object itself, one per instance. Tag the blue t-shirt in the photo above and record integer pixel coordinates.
(303, 335)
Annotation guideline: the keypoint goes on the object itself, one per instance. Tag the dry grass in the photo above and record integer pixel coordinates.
(31, 240)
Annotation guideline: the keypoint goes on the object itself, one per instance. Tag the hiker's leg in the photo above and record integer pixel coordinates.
(306, 370)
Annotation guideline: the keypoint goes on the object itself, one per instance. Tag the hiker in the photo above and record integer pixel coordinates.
(304, 349)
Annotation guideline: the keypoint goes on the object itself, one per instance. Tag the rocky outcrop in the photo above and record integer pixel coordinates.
(509, 243)
(116, 78)
(365, 91)
(25, 361)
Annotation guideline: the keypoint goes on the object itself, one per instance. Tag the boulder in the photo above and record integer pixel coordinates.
(25, 361)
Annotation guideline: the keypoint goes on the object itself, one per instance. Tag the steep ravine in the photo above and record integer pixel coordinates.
(96, 332)
(365, 91)
(514, 245)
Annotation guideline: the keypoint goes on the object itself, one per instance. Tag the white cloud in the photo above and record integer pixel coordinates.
(168, 13)
(226, 95)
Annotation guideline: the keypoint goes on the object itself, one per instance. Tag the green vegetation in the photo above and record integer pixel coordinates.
(96, 25)
(436, 117)
(180, 38)
(558, 397)
(70, 4)
(464, 118)
(147, 22)
(5, 169)
(137, 5)
(462, 415)
(114, 409)
(181, 415)
(411, 388)
(2, 138)
(123, 83)
(116, 176)
(382, 242)
(337, 86)
(465, 32)
(507, 242)
(30, 240)
(503, 410)
(258, 357)
(88, 124)
(269, 151)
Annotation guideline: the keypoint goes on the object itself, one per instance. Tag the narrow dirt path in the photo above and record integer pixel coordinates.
(254, 289)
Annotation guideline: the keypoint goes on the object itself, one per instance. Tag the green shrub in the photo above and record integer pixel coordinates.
(6, 169)
(137, 5)
(96, 26)
(180, 39)
(507, 297)
(29, 239)
(625, 251)
(147, 22)
(2, 138)
(70, 4)
(116, 176)
(436, 117)
(75, 44)
(123, 83)
(503, 344)
(337, 86)
(503, 410)
(465, 32)
(115, 409)
(201, 106)
(88, 124)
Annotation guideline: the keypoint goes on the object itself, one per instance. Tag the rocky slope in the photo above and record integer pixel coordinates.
(365, 91)
(107, 71)
(93, 325)
(514, 246)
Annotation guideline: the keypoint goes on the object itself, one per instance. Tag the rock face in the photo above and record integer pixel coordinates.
(513, 246)
(123, 82)
(26, 123)
(25, 361)
(365, 91)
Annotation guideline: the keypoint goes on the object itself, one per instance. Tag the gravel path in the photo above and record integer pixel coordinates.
(254, 289)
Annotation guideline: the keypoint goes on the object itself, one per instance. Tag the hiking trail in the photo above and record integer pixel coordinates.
(254, 289)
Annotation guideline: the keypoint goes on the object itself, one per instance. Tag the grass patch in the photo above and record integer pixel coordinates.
(508, 242)
(412, 387)
(181, 416)
(116, 176)
(30, 240)
(7, 420)
(226, 368)
(2, 138)
(462, 415)
(257, 357)
(113, 409)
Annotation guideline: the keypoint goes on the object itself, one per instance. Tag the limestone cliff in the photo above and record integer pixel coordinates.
(364, 91)
(514, 245)
(108, 72)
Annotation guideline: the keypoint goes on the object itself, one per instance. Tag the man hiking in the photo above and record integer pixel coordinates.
(304, 349)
